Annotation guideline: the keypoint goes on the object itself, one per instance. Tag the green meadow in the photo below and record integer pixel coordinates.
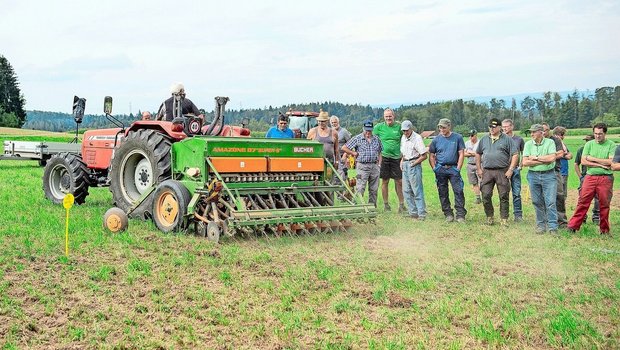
(399, 284)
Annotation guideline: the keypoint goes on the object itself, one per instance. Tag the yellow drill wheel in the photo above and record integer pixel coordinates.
(115, 220)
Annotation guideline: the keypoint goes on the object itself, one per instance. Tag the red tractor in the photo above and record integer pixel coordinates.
(301, 122)
(128, 160)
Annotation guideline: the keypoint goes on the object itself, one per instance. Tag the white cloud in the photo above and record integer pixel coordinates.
(275, 52)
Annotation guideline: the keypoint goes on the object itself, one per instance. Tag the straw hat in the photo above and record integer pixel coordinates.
(323, 116)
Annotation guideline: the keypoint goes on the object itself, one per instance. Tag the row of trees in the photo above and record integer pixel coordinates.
(12, 113)
(576, 110)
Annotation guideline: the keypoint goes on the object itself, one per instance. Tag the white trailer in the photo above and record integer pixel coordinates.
(37, 150)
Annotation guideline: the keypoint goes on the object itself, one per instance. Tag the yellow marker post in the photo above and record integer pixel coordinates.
(67, 202)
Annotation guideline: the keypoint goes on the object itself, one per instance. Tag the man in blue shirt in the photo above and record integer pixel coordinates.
(281, 131)
(447, 151)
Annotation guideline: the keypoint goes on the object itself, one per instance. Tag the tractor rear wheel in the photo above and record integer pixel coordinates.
(170, 203)
(65, 173)
(141, 161)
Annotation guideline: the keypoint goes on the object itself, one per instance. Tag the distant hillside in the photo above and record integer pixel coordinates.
(574, 109)
(486, 99)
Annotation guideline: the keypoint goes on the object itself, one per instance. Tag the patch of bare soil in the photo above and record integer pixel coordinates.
(409, 245)
(573, 195)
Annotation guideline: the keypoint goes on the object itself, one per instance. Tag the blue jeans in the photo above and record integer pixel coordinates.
(543, 190)
(413, 189)
(443, 175)
(515, 187)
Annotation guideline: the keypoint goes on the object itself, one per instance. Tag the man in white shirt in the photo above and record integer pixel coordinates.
(413, 153)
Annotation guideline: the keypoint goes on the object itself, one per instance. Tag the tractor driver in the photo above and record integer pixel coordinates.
(166, 110)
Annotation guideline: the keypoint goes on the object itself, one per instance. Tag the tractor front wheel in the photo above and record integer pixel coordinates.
(65, 173)
(170, 203)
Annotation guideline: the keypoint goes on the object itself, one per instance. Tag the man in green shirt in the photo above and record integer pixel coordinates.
(539, 154)
(597, 156)
(389, 133)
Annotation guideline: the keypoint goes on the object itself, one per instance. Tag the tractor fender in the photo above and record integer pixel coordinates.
(163, 127)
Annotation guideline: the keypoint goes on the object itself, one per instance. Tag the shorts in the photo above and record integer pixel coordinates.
(390, 169)
(472, 177)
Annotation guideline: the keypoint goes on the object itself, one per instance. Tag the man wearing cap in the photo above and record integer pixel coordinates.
(515, 180)
(597, 156)
(280, 131)
(496, 169)
(446, 158)
(327, 136)
(389, 133)
(470, 152)
(560, 200)
(580, 170)
(539, 154)
(343, 137)
(167, 110)
(413, 154)
(366, 149)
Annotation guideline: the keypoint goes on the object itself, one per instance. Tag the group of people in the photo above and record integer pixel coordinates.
(393, 150)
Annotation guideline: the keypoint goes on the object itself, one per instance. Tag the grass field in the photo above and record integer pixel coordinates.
(400, 284)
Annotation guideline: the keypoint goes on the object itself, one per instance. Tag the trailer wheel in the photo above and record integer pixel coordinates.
(141, 161)
(170, 203)
(65, 173)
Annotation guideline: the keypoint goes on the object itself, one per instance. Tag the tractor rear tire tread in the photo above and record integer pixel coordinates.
(157, 148)
(78, 172)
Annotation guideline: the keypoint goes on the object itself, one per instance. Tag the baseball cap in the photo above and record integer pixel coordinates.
(494, 122)
(445, 122)
(406, 125)
(536, 127)
(588, 138)
(473, 132)
(368, 125)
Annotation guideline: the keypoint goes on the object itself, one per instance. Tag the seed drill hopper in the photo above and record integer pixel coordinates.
(235, 186)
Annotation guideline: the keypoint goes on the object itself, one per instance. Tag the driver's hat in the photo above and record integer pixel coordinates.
(176, 88)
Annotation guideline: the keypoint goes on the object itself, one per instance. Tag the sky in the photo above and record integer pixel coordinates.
(271, 52)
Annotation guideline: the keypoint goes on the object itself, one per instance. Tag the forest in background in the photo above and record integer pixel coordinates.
(575, 110)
